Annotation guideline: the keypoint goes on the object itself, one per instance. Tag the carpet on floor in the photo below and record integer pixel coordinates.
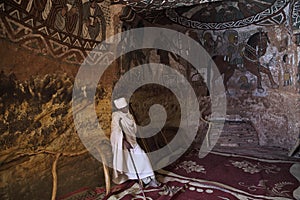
(216, 176)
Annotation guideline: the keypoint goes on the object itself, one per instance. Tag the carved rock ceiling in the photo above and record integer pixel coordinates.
(161, 4)
(213, 15)
(247, 7)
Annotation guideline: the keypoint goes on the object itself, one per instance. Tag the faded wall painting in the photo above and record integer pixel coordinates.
(230, 14)
(295, 21)
(83, 18)
(244, 57)
(64, 29)
(250, 41)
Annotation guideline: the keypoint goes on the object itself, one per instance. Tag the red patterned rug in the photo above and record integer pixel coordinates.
(217, 176)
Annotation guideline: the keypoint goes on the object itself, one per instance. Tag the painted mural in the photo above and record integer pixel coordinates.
(254, 59)
(230, 14)
(64, 29)
(246, 59)
(249, 40)
(295, 21)
(295, 17)
(83, 18)
(70, 29)
(146, 5)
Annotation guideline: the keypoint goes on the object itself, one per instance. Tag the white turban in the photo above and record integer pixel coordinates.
(120, 103)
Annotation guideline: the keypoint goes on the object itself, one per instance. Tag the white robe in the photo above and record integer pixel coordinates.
(123, 169)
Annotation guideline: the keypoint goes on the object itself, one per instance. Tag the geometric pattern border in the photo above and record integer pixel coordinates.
(19, 27)
(146, 5)
(260, 18)
(295, 16)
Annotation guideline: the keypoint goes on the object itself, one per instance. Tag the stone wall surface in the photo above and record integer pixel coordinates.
(274, 117)
(39, 64)
(37, 125)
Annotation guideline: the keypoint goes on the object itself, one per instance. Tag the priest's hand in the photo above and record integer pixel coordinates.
(126, 144)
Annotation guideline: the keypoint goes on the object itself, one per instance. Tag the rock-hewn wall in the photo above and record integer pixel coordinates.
(37, 125)
(275, 117)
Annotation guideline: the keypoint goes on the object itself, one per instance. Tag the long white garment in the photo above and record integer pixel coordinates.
(123, 168)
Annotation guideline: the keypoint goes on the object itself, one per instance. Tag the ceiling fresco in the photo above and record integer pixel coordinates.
(224, 15)
(296, 17)
(146, 5)
(295, 20)
(69, 29)
(231, 14)
(225, 11)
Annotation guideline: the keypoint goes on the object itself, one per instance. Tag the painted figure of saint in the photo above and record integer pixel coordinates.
(94, 26)
(36, 8)
(234, 49)
(65, 16)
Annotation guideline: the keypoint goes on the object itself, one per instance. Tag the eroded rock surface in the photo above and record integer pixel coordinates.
(37, 124)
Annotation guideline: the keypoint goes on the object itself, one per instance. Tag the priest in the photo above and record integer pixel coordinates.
(130, 162)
